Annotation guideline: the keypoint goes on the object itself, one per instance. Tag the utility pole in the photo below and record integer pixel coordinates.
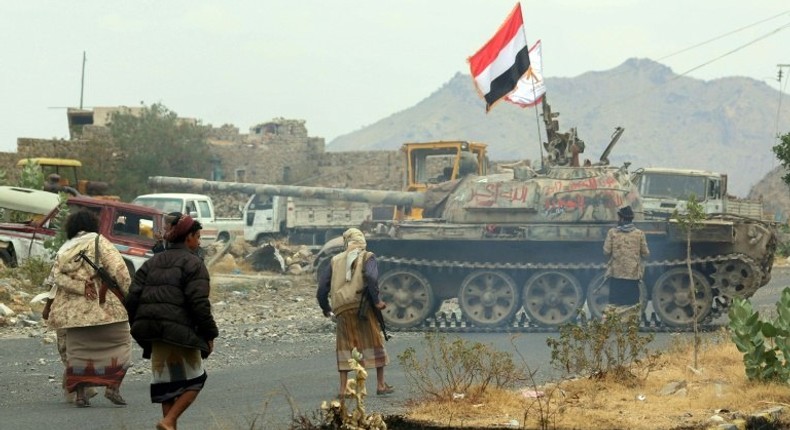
(82, 82)
(779, 76)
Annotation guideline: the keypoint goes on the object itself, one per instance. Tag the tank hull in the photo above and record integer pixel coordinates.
(551, 272)
(530, 243)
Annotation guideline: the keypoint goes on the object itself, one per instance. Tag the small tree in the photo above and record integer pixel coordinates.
(782, 152)
(157, 142)
(688, 222)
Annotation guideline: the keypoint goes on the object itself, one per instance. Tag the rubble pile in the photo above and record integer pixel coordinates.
(247, 303)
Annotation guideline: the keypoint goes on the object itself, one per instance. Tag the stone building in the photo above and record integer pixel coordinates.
(279, 151)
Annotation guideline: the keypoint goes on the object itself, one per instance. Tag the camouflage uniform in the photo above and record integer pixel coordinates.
(625, 245)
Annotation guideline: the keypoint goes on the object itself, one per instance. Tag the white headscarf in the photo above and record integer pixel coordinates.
(355, 243)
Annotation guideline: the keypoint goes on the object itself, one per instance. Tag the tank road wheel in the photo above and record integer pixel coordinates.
(598, 296)
(552, 298)
(488, 299)
(734, 278)
(672, 297)
(409, 298)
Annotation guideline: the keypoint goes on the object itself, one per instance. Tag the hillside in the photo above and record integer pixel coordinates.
(726, 124)
(774, 193)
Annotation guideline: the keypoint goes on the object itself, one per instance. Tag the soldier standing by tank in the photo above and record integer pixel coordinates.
(348, 292)
(626, 246)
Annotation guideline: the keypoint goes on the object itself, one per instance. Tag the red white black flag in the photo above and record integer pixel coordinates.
(502, 61)
(531, 87)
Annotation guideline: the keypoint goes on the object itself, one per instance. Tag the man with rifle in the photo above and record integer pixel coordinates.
(348, 292)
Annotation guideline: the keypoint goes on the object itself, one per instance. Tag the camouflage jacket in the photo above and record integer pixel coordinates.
(625, 246)
(71, 275)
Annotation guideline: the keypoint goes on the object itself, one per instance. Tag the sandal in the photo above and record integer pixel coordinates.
(388, 389)
(81, 401)
(114, 396)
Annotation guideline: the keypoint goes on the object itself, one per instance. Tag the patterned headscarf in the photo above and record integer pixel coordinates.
(355, 243)
(179, 231)
(354, 238)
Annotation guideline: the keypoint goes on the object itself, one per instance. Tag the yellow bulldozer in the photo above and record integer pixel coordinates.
(62, 175)
(431, 163)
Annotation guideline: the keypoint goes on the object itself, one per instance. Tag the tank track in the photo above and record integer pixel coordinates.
(453, 323)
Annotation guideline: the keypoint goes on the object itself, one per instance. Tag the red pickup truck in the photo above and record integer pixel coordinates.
(130, 227)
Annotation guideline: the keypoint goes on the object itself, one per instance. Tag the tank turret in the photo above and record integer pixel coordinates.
(563, 194)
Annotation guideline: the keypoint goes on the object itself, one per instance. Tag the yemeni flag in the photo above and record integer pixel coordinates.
(531, 87)
(502, 61)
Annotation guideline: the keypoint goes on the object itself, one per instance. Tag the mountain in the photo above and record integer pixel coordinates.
(727, 125)
(774, 193)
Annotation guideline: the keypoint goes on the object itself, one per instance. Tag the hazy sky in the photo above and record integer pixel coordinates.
(340, 65)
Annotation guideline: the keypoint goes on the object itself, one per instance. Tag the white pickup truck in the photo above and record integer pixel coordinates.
(200, 207)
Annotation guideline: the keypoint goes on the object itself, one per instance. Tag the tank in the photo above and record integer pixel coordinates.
(503, 243)
(527, 244)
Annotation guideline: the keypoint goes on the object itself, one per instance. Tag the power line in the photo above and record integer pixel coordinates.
(723, 35)
(679, 75)
(747, 44)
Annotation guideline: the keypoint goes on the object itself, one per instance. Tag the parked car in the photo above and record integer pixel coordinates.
(29, 218)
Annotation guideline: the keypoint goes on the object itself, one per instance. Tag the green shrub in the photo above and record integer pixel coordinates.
(30, 273)
(54, 243)
(609, 347)
(783, 246)
(458, 367)
(765, 344)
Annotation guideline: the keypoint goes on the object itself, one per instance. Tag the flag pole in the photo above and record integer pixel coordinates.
(534, 94)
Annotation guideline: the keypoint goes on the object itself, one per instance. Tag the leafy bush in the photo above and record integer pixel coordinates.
(601, 348)
(31, 176)
(765, 344)
(783, 247)
(458, 367)
(30, 273)
(54, 243)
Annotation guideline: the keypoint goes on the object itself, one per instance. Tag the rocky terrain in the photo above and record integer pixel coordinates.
(252, 308)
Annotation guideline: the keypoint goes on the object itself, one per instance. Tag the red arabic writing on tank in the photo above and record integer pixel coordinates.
(583, 206)
(500, 194)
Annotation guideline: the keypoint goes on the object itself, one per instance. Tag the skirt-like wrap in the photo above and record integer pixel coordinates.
(175, 370)
(365, 335)
(97, 355)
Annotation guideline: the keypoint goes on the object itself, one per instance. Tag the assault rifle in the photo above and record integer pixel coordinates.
(364, 303)
(107, 280)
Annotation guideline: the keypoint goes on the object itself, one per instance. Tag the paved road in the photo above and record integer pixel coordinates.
(237, 393)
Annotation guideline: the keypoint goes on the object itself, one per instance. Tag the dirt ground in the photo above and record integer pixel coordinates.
(671, 395)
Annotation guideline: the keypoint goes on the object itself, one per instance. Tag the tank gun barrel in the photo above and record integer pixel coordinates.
(400, 198)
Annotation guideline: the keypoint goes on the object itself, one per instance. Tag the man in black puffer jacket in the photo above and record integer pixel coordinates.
(170, 315)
